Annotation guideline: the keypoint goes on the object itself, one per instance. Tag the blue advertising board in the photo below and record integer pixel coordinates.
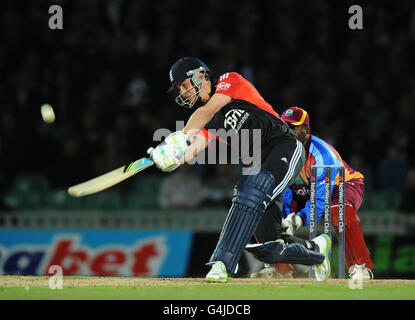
(158, 253)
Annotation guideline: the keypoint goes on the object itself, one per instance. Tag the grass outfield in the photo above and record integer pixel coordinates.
(92, 288)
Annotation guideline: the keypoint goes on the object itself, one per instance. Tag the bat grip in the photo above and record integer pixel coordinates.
(150, 151)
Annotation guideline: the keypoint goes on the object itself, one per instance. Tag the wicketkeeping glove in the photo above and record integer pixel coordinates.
(292, 223)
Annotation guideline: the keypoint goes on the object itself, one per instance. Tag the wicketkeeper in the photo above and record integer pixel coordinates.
(233, 103)
(297, 197)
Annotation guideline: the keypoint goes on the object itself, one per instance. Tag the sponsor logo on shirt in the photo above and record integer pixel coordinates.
(235, 119)
(224, 76)
(223, 86)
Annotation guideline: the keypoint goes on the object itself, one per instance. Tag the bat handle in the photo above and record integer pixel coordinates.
(150, 151)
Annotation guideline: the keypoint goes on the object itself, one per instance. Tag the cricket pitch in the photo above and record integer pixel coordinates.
(140, 288)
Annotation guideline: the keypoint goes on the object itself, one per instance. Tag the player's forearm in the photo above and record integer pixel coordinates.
(199, 143)
(305, 212)
(198, 121)
(203, 115)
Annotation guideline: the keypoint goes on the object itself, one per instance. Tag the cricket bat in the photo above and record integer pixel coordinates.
(110, 178)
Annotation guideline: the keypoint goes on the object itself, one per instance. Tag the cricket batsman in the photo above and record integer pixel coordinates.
(297, 197)
(233, 103)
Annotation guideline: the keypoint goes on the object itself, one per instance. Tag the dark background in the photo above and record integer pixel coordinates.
(106, 74)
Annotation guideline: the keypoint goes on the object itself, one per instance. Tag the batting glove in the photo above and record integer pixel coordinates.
(164, 157)
(292, 223)
(179, 141)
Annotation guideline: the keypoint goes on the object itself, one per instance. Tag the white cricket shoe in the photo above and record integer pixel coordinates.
(360, 272)
(268, 272)
(322, 271)
(217, 273)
